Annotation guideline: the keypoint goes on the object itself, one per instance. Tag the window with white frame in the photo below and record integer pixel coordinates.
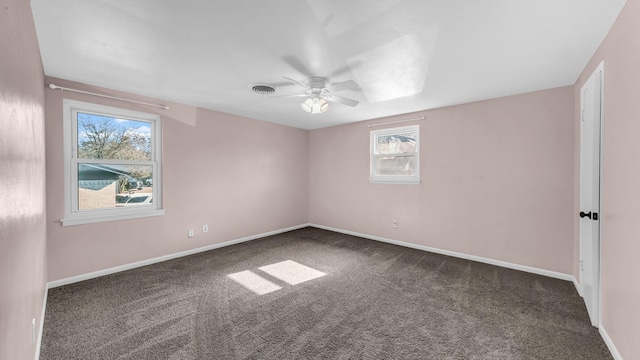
(395, 155)
(112, 163)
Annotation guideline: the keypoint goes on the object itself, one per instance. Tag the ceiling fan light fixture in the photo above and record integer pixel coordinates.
(315, 105)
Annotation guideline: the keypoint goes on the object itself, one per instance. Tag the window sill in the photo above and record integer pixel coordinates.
(396, 181)
(79, 219)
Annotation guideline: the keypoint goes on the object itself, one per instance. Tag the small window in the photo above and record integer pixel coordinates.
(112, 156)
(395, 155)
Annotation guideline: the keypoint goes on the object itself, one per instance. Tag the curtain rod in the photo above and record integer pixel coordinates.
(54, 87)
(395, 122)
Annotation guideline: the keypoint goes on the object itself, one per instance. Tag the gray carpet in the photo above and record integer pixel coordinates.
(376, 301)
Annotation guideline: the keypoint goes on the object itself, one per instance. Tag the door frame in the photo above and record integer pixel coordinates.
(597, 276)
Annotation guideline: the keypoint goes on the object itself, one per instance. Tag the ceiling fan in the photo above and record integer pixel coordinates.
(319, 93)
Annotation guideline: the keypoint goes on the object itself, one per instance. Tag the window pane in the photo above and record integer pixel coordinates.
(103, 186)
(396, 143)
(104, 137)
(396, 165)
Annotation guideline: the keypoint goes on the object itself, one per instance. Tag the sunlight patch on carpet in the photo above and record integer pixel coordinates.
(254, 282)
(292, 272)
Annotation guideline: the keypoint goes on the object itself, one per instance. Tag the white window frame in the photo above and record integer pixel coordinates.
(394, 179)
(74, 216)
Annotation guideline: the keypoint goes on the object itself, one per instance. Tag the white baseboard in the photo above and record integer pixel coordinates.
(117, 269)
(504, 264)
(41, 330)
(607, 340)
(578, 287)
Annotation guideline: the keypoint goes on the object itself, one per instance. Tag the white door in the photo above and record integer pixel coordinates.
(590, 125)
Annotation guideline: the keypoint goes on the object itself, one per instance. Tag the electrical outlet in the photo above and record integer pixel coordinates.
(190, 233)
(395, 224)
(205, 229)
(33, 331)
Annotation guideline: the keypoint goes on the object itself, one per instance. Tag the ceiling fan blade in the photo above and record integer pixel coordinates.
(297, 64)
(345, 85)
(290, 95)
(295, 82)
(345, 69)
(342, 100)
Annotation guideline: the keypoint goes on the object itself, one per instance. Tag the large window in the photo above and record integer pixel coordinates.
(395, 155)
(112, 163)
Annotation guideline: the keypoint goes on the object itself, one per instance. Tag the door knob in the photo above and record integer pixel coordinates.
(585, 215)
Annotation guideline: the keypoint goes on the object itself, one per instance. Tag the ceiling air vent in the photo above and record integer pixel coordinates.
(263, 89)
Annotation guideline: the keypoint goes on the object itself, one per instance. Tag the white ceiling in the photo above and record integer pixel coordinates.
(406, 55)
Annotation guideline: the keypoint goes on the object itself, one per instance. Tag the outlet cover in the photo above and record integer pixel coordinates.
(205, 229)
(190, 233)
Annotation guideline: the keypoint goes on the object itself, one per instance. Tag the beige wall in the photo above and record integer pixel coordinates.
(497, 181)
(22, 182)
(241, 177)
(620, 197)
